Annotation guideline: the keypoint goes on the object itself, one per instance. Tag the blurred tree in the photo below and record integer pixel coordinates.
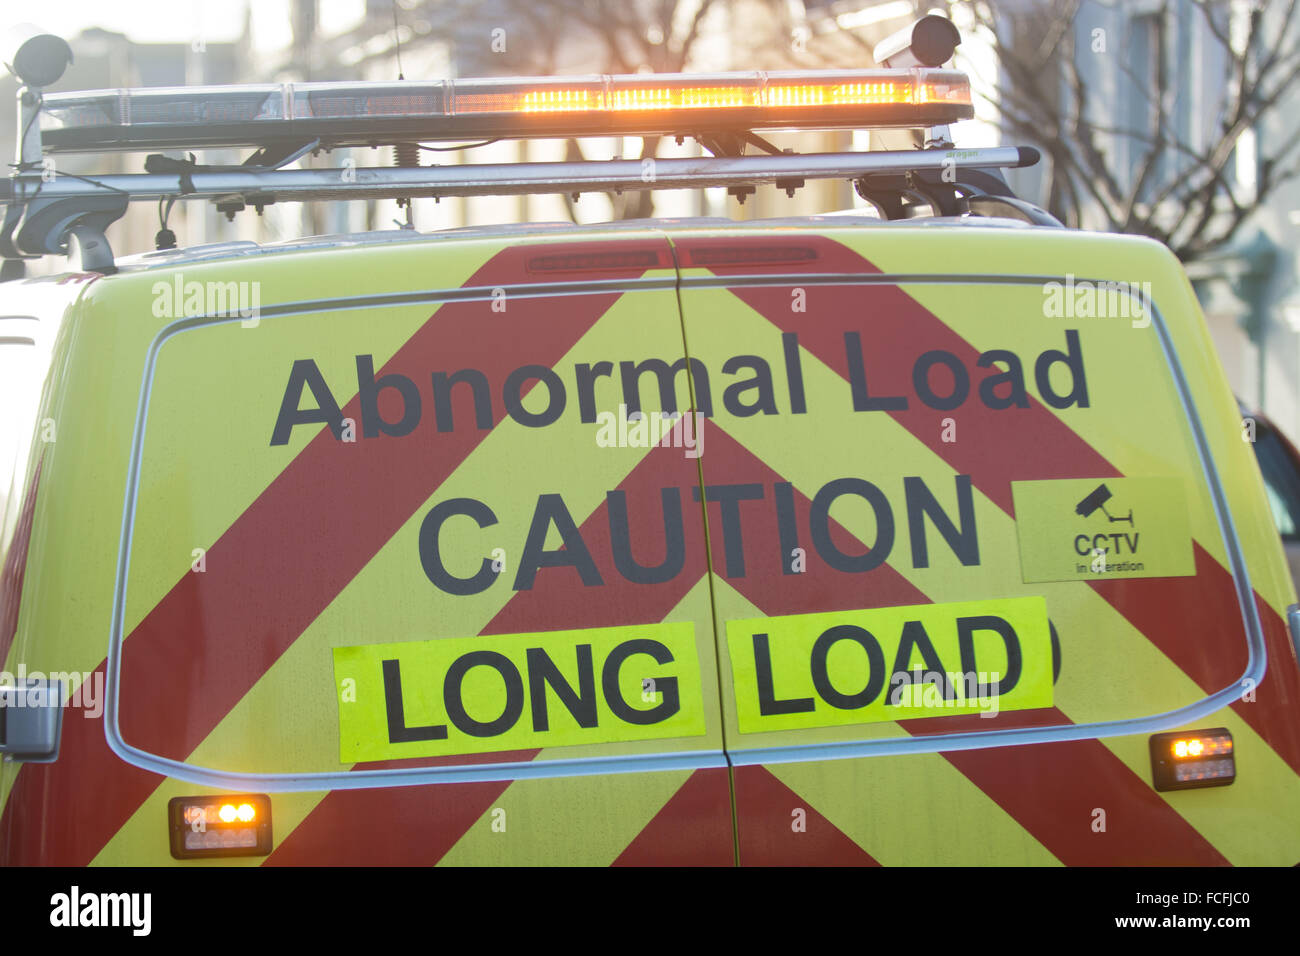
(1143, 152)
(631, 36)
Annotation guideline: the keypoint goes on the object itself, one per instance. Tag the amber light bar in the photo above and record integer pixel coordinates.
(360, 114)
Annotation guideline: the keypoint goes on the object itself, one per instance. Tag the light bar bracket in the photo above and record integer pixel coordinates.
(52, 211)
(511, 179)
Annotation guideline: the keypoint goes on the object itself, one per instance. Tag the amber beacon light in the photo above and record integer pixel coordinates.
(1193, 758)
(223, 825)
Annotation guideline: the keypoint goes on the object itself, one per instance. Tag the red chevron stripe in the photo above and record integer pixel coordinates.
(348, 829)
(15, 566)
(767, 831)
(1055, 790)
(692, 829)
(278, 566)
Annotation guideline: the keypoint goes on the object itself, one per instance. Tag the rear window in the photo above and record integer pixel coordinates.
(946, 479)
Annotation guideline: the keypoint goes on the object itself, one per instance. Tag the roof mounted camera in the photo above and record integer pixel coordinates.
(930, 41)
(39, 60)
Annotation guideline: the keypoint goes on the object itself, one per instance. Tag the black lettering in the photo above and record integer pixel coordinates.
(862, 402)
(921, 504)
(914, 637)
(580, 703)
(512, 395)
(620, 543)
(1073, 359)
(609, 682)
(478, 384)
(729, 497)
(921, 379)
(787, 528)
(431, 554)
(305, 372)
(764, 402)
(1014, 376)
(572, 552)
(966, 628)
(794, 372)
(767, 702)
(819, 525)
(875, 660)
(398, 732)
(631, 373)
(368, 389)
(451, 688)
(586, 375)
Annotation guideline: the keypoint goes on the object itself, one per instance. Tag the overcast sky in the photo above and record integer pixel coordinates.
(172, 21)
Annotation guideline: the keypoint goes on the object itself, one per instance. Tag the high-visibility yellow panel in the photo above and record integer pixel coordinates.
(484, 694)
(857, 667)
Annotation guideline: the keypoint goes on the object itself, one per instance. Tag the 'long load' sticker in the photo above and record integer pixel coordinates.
(892, 663)
(518, 691)
(1088, 529)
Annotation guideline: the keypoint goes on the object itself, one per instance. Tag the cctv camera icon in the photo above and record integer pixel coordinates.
(1097, 499)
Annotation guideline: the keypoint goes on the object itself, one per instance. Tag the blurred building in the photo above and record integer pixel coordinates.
(1248, 290)
(106, 60)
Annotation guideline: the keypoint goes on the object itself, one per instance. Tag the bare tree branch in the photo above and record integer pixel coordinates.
(1159, 184)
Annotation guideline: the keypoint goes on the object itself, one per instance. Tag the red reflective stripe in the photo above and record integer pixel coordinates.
(821, 587)
(1055, 790)
(766, 827)
(15, 566)
(1278, 694)
(692, 829)
(891, 323)
(1087, 770)
(61, 814)
(558, 601)
(221, 630)
(412, 826)
(1171, 610)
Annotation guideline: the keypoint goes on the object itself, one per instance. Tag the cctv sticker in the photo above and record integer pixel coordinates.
(1093, 529)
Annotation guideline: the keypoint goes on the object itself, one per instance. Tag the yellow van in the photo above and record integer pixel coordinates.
(829, 540)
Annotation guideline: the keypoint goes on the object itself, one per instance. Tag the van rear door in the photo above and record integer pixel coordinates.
(392, 535)
(966, 556)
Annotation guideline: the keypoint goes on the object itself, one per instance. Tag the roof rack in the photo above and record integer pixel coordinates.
(49, 214)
